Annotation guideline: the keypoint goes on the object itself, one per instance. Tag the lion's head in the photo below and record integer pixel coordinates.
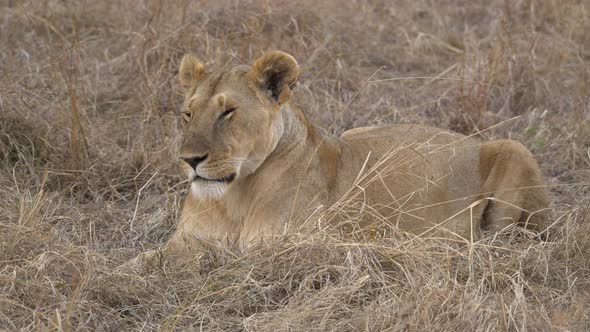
(232, 119)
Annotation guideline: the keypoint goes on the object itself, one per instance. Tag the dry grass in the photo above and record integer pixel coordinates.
(89, 106)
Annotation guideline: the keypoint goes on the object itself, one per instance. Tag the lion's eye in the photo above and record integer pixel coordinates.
(228, 113)
(186, 116)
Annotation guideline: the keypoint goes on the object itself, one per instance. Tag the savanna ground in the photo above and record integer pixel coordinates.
(89, 129)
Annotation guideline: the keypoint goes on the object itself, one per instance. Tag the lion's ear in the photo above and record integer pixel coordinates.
(191, 71)
(277, 73)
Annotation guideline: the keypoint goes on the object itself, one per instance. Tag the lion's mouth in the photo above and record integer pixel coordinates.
(226, 179)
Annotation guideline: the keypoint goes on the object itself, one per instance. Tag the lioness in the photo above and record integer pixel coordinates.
(256, 165)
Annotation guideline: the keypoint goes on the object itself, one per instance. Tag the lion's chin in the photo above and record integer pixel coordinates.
(208, 189)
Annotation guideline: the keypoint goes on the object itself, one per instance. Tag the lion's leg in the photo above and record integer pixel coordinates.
(142, 260)
(138, 262)
(503, 209)
(514, 187)
(152, 258)
(174, 247)
(192, 236)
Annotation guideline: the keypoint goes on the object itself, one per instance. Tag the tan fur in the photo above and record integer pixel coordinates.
(423, 180)
(190, 71)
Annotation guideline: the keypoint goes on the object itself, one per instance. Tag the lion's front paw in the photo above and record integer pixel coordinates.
(148, 260)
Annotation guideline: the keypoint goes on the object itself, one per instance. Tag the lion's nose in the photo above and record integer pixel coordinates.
(194, 161)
